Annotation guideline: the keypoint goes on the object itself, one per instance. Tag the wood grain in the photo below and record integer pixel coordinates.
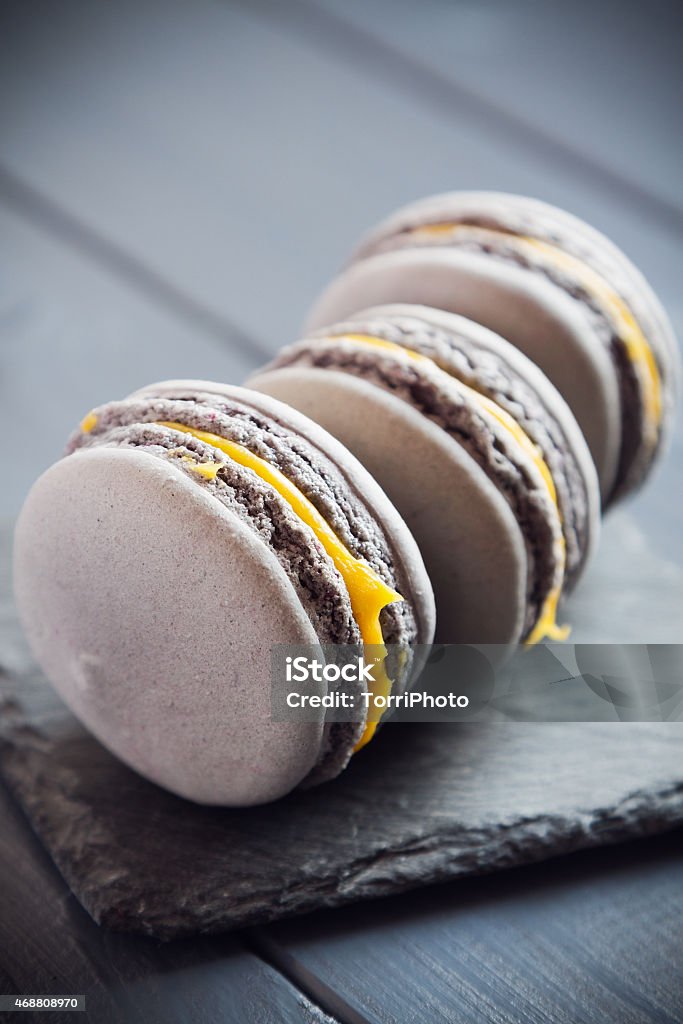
(73, 335)
(239, 157)
(595, 937)
(592, 86)
(51, 946)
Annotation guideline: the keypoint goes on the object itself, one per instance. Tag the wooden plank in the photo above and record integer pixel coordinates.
(51, 946)
(71, 336)
(239, 160)
(595, 937)
(595, 85)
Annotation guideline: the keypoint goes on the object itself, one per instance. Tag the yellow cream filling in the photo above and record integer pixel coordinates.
(88, 423)
(367, 592)
(546, 624)
(622, 319)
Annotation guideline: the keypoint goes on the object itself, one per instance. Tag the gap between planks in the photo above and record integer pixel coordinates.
(49, 216)
(411, 75)
(316, 991)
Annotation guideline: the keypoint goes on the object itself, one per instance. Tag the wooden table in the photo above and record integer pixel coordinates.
(176, 183)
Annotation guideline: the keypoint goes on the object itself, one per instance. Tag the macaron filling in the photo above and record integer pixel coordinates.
(582, 282)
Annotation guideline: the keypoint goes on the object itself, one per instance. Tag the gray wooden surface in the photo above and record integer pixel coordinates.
(592, 938)
(176, 182)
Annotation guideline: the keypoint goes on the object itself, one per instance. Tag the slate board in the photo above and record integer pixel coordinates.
(423, 803)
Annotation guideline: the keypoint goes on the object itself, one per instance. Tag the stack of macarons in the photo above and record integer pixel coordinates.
(505, 372)
(555, 288)
(486, 376)
(474, 446)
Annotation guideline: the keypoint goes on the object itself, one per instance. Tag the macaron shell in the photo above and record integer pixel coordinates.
(153, 610)
(466, 531)
(409, 564)
(538, 219)
(524, 308)
(551, 223)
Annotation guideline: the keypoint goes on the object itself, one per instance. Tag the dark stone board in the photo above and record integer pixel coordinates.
(421, 804)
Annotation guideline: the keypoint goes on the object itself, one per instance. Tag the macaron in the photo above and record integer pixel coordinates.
(189, 529)
(475, 447)
(555, 288)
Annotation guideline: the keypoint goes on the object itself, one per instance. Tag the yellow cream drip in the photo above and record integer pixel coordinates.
(546, 625)
(88, 423)
(367, 592)
(625, 324)
(209, 470)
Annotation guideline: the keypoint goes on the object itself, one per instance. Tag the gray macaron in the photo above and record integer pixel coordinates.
(553, 286)
(189, 529)
(475, 447)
